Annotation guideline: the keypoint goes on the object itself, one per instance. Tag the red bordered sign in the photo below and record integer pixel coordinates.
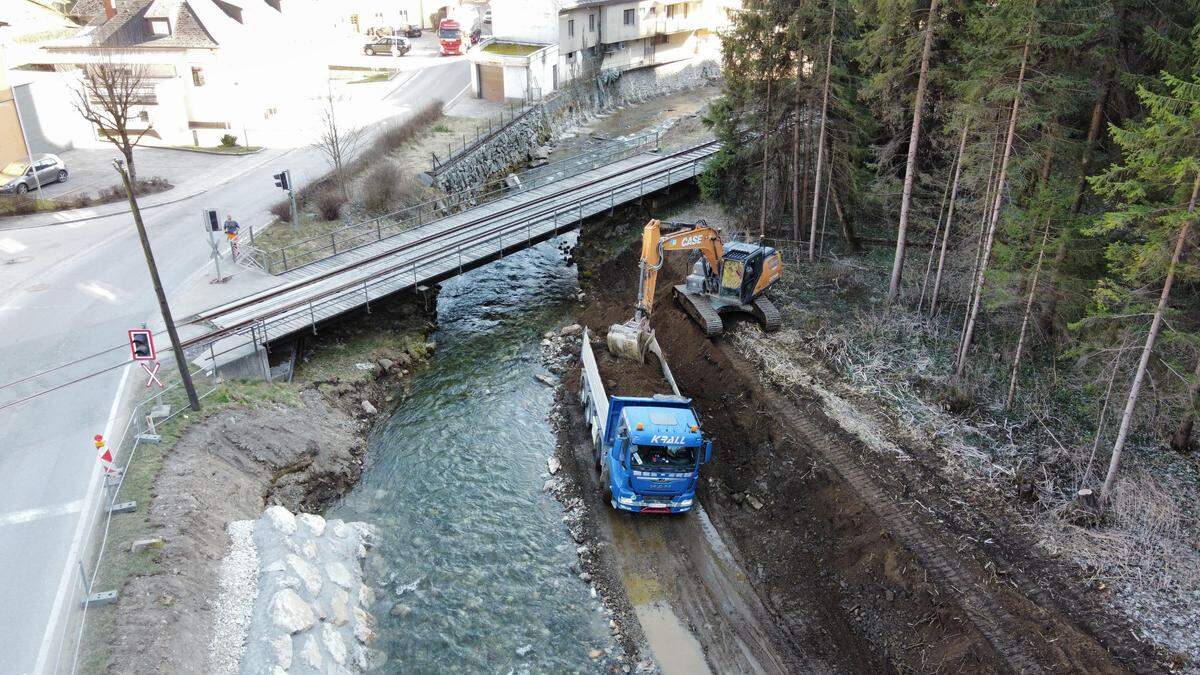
(141, 345)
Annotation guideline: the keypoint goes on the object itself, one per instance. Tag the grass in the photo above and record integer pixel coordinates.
(441, 128)
(220, 149)
(511, 49)
(373, 77)
(336, 356)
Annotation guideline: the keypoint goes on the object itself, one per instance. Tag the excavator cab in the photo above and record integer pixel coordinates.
(741, 270)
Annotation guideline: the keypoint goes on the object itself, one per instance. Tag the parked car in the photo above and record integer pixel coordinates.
(487, 15)
(388, 45)
(412, 30)
(19, 177)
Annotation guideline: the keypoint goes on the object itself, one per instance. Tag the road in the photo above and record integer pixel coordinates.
(67, 292)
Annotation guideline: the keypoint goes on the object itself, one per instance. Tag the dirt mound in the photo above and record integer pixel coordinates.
(841, 553)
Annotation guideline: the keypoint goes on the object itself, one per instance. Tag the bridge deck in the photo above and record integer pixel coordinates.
(437, 250)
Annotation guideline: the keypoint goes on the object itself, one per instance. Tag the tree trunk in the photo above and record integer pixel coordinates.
(848, 235)
(997, 200)
(1147, 350)
(1037, 270)
(1087, 470)
(1181, 441)
(983, 220)
(937, 279)
(937, 233)
(762, 213)
(812, 234)
(910, 170)
(796, 164)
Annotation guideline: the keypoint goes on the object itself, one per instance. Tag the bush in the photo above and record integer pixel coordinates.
(228, 141)
(329, 203)
(380, 188)
(145, 186)
(20, 205)
(282, 210)
(398, 134)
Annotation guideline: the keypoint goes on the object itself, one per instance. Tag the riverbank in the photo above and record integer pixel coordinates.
(300, 445)
(862, 557)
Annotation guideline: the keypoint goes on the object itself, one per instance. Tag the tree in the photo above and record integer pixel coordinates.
(910, 170)
(812, 238)
(335, 140)
(109, 93)
(1160, 164)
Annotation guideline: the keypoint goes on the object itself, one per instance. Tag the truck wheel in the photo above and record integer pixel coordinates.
(605, 488)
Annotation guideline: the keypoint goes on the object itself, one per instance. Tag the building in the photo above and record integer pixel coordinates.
(210, 67)
(539, 45)
(361, 16)
(12, 138)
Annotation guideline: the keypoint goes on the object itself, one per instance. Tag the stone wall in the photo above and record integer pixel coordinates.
(293, 598)
(635, 86)
(511, 148)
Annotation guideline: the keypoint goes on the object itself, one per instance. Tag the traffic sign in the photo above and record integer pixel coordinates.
(141, 344)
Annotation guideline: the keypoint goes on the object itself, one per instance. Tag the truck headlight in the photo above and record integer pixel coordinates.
(626, 501)
(685, 503)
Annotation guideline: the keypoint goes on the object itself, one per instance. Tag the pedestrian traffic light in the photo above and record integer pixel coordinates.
(141, 344)
(282, 180)
(214, 224)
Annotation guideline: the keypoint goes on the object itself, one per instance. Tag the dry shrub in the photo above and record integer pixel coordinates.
(282, 210)
(329, 203)
(387, 189)
(145, 186)
(400, 133)
(20, 205)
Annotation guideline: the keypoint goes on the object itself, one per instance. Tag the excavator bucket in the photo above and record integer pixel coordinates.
(630, 341)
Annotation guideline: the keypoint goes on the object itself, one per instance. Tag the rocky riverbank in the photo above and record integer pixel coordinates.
(296, 450)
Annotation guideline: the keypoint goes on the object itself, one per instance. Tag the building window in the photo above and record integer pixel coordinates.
(197, 76)
(629, 17)
(591, 23)
(159, 26)
(570, 27)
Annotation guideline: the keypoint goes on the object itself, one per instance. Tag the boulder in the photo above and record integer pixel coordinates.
(386, 364)
(281, 519)
(314, 523)
(290, 612)
(339, 575)
(308, 574)
(368, 408)
(334, 644)
(339, 608)
(553, 465)
(366, 596)
(340, 529)
(310, 653)
(140, 545)
(573, 329)
(363, 627)
(753, 502)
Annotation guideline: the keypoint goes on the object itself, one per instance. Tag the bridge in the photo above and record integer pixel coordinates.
(547, 205)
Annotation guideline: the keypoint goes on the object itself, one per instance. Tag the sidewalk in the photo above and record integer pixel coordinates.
(191, 173)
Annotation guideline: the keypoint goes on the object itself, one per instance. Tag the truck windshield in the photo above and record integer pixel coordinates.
(449, 33)
(662, 457)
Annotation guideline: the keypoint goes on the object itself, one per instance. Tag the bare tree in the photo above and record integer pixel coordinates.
(812, 237)
(1016, 364)
(109, 94)
(937, 278)
(335, 139)
(910, 171)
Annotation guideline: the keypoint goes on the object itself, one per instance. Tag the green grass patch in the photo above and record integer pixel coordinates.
(336, 355)
(511, 49)
(220, 149)
(441, 128)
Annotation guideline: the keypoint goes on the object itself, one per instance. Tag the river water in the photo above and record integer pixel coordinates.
(472, 567)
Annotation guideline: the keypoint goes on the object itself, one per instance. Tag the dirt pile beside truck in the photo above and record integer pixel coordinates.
(839, 542)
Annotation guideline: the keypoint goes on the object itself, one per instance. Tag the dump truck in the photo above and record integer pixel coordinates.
(647, 449)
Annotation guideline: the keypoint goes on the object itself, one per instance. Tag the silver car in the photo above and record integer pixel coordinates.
(20, 178)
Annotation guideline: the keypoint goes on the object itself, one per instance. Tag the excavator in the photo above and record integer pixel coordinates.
(727, 277)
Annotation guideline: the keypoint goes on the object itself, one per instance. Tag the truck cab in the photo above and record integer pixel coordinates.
(450, 38)
(650, 459)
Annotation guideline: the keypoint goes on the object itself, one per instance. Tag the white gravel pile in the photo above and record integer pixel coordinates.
(238, 583)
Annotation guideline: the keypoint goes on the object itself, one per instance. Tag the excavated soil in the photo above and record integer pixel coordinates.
(861, 563)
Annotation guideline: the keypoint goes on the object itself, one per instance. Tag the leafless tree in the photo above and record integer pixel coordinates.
(336, 140)
(109, 94)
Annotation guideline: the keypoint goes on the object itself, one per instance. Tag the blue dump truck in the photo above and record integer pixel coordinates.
(648, 450)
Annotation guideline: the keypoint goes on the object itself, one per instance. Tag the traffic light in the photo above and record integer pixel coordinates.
(141, 344)
(283, 180)
(210, 217)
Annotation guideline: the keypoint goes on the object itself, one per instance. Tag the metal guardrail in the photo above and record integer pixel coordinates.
(283, 320)
(349, 237)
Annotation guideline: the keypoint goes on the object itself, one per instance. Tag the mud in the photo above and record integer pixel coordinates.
(859, 562)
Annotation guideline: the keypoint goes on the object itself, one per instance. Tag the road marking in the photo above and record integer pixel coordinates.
(456, 97)
(9, 245)
(30, 515)
(69, 568)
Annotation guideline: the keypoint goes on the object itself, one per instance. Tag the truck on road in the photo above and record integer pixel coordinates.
(451, 40)
(648, 450)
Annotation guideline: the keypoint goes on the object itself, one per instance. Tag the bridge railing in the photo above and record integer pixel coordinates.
(349, 237)
(564, 215)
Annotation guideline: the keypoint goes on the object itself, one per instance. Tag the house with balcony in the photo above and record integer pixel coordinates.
(208, 67)
(539, 45)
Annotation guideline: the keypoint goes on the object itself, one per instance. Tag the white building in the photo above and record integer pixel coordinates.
(212, 67)
(360, 16)
(538, 45)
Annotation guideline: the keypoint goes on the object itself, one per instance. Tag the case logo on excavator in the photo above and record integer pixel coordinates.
(692, 240)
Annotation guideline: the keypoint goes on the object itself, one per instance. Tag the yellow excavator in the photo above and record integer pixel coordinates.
(727, 277)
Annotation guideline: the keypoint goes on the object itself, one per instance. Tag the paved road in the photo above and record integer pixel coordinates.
(68, 291)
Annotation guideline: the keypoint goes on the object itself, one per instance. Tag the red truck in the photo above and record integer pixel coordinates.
(450, 38)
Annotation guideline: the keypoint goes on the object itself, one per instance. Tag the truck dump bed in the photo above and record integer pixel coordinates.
(629, 379)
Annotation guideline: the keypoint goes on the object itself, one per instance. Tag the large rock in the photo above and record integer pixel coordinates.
(314, 524)
(339, 607)
(308, 574)
(281, 519)
(310, 653)
(339, 575)
(334, 645)
(364, 630)
(290, 612)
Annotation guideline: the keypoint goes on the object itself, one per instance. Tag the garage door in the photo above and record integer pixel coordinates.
(491, 82)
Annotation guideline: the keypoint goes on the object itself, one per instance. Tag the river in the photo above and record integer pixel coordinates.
(473, 563)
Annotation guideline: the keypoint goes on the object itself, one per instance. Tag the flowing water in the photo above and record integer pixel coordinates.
(472, 567)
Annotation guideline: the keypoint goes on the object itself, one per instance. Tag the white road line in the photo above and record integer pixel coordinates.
(30, 515)
(456, 97)
(70, 567)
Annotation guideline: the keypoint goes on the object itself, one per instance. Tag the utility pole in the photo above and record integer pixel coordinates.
(180, 360)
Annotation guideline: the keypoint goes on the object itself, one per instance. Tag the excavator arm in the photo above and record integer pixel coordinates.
(701, 238)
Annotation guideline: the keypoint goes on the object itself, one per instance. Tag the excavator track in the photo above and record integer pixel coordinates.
(767, 314)
(701, 312)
